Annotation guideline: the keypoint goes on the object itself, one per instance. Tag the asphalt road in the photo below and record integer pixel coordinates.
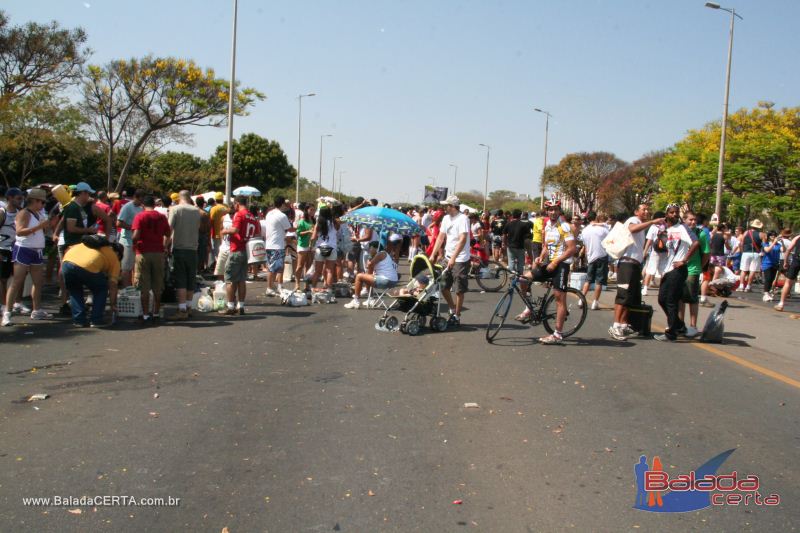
(308, 419)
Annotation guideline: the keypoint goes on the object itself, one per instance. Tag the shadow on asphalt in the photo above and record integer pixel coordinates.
(570, 341)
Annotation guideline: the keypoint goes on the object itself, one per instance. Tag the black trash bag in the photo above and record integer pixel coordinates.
(715, 326)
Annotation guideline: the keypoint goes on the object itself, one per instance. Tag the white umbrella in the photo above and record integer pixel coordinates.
(246, 190)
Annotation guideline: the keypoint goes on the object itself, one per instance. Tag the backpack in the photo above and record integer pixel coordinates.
(95, 242)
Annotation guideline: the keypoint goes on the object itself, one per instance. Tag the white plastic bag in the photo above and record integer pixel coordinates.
(617, 240)
(293, 299)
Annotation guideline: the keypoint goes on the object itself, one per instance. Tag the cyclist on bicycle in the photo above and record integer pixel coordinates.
(553, 264)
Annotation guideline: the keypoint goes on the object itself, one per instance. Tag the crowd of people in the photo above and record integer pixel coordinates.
(99, 242)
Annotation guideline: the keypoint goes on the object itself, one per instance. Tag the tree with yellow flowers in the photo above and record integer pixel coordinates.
(142, 103)
(762, 167)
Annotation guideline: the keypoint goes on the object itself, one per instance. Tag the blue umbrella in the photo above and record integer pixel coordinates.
(384, 218)
(246, 190)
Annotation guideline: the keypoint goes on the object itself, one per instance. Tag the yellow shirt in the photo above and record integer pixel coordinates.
(538, 227)
(96, 261)
(217, 213)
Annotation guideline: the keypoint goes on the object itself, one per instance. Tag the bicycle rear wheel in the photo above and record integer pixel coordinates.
(491, 277)
(576, 313)
(499, 316)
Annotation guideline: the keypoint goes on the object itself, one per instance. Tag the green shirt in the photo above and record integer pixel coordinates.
(304, 241)
(695, 264)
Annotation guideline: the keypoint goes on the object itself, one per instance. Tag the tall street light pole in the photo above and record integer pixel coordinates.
(720, 169)
(546, 134)
(333, 174)
(486, 185)
(455, 176)
(299, 131)
(231, 93)
(319, 186)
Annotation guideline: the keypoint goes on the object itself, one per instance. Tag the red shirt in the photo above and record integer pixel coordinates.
(153, 227)
(117, 206)
(105, 208)
(247, 226)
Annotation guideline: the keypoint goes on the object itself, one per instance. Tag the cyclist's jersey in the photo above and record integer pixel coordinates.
(556, 237)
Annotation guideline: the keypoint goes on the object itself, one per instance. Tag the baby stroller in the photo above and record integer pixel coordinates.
(418, 301)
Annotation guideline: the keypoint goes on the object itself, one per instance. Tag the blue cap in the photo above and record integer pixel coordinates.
(83, 187)
(13, 191)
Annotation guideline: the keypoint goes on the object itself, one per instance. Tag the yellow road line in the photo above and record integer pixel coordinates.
(740, 361)
(745, 363)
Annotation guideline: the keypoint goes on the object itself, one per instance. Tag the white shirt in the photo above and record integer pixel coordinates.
(679, 239)
(225, 244)
(592, 237)
(274, 226)
(426, 219)
(453, 228)
(386, 268)
(636, 250)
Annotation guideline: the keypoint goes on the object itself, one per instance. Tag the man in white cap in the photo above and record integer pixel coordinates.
(453, 239)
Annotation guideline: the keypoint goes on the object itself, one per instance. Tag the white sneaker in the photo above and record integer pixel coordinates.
(595, 305)
(6, 319)
(21, 308)
(41, 314)
(271, 292)
(766, 297)
(691, 332)
(644, 291)
(364, 293)
(748, 289)
(580, 304)
(355, 304)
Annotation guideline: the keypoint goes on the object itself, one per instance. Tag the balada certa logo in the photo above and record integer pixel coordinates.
(658, 492)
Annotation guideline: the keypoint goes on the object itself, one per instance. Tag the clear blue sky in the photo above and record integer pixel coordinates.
(408, 87)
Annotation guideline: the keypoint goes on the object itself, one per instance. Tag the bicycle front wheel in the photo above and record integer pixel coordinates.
(499, 316)
(576, 312)
(491, 277)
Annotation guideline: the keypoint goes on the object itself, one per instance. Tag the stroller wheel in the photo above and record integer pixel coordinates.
(402, 327)
(439, 324)
(382, 322)
(413, 327)
(392, 323)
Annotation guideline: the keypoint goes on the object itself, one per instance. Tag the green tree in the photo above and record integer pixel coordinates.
(174, 171)
(41, 139)
(144, 102)
(36, 57)
(762, 167)
(257, 162)
(580, 176)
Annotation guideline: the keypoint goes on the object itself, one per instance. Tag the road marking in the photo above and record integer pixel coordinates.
(739, 360)
(752, 366)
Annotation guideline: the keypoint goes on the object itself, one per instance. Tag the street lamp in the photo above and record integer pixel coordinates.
(319, 186)
(486, 185)
(455, 176)
(299, 131)
(720, 169)
(333, 174)
(231, 91)
(546, 133)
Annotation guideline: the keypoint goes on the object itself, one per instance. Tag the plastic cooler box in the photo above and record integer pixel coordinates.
(129, 303)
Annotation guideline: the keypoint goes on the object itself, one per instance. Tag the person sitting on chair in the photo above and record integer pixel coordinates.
(381, 273)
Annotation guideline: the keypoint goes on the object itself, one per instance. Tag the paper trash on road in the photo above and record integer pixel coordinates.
(471, 405)
(37, 397)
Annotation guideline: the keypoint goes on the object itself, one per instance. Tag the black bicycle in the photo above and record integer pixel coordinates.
(541, 309)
